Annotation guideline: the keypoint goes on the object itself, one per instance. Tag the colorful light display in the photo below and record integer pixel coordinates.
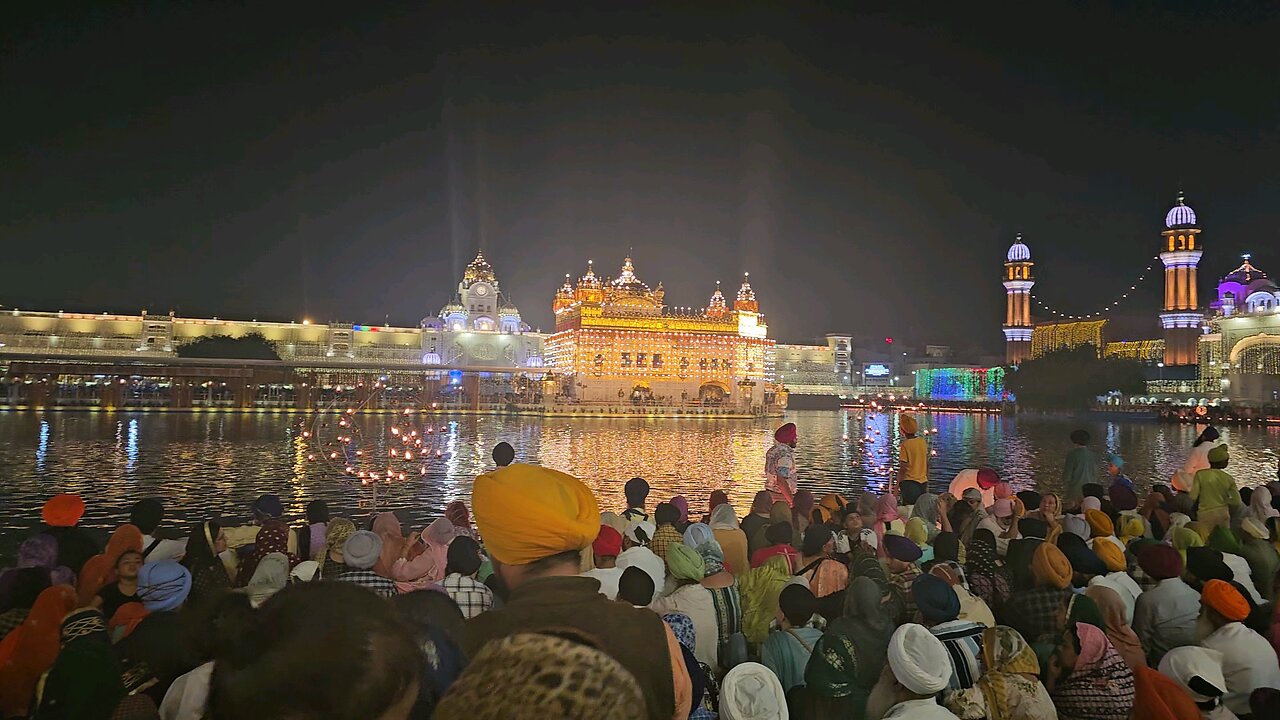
(1066, 336)
(961, 384)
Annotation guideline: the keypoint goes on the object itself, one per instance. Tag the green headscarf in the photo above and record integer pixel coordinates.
(1183, 538)
(759, 589)
(1223, 540)
(684, 562)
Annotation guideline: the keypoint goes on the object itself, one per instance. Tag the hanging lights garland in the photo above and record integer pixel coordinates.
(1108, 307)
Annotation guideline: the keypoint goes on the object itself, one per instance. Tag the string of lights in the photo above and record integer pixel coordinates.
(1106, 308)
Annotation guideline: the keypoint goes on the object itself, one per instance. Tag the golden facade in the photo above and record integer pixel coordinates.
(617, 342)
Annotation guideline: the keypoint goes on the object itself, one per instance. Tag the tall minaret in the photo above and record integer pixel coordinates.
(1018, 280)
(1182, 319)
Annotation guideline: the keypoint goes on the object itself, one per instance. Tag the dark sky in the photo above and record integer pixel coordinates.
(869, 168)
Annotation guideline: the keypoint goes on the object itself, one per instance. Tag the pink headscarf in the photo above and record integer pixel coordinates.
(437, 536)
(387, 526)
(1093, 645)
(1002, 490)
(681, 504)
(886, 512)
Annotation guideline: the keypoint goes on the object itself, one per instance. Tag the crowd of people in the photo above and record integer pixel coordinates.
(980, 601)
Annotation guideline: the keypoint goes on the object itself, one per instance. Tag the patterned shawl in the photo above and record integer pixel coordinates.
(1101, 686)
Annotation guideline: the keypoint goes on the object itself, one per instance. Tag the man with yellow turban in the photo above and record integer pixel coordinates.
(535, 521)
(913, 452)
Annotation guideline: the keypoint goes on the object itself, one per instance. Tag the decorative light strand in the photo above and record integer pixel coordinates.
(1108, 307)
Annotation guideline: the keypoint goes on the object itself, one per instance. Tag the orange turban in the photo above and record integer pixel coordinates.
(1099, 523)
(1223, 597)
(126, 619)
(1111, 554)
(528, 512)
(64, 510)
(1050, 566)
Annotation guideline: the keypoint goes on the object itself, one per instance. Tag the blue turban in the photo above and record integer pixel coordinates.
(935, 598)
(163, 585)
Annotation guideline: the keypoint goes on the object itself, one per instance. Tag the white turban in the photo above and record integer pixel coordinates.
(919, 660)
(750, 691)
(640, 531)
(1189, 661)
(1090, 503)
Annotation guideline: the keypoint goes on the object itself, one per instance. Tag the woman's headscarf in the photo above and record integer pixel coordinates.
(916, 532)
(1117, 629)
(684, 563)
(759, 589)
(85, 680)
(437, 536)
(682, 628)
(723, 518)
(457, 513)
(387, 527)
(718, 498)
(270, 578)
(762, 503)
(100, 570)
(339, 530)
(780, 512)
(41, 551)
(1012, 670)
(1183, 538)
(1260, 505)
(31, 648)
(886, 512)
(1101, 685)
(273, 537)
(926, 508)
(712, 558)
(1224, 541)
(681, 504)
(697, 534)
(1131, 528)
(802, 509)
(850, 655)
(1201, 529)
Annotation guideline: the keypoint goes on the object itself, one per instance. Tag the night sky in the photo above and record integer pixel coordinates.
(868, 168)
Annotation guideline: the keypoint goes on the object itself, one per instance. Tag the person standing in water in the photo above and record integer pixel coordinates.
(780, 465)
(1080, 469)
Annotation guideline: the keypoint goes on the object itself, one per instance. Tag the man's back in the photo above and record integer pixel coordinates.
(635, 637)
(1081, 467)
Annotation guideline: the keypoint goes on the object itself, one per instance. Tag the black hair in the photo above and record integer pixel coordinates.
(666, 514)
(121, 556)
(1080, 437)
(199, 549)
(635, 586)
(1032, 527)
(463, 556)
(317, 511)
(778, 533)
(1209, 434)
(1246, 494)
(503, 454)
(636, 491)
(815, 538)
(1093, 490)
(946, 546)
(541, 565)
(797, 604)
(437, 626)
(431, 608)
(260, 676)
(146, 514)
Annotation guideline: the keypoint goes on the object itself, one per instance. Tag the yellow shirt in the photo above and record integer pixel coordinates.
(914, 454)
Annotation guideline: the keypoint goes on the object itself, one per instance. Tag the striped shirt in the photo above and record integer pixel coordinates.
(963, 640)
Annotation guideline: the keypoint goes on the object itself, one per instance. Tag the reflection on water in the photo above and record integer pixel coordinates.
(213, 465)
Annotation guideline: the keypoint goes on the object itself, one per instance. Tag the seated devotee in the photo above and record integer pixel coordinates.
(751, 692)
(940, 610)
(1164, 617)
(1116, 626)
(543, 675)
(752, 525)
(379, 677)
(725, 595)
(731, 538)
(635, 587)
(359, 554)
(429, 566)
(456, 512)
(706, 690)
(460, 584)
(847, 660)
(125, 588)
(1010, 689)
(336, 534)
(965, 514)
(900, 560)
(918, 671)
(826, 576)
(972, 607)
(779, 536)
(1248, 660)
(604, 551)
(75, 545)
(932, 510)
(266, 508)
(1199, 671)
(1261, 556)
(146, 515)
(786, 651)
(665, 516)
(982, 481)
(1116, 578)
(759, 590)
(917, 533)
(1224, 540)
(209, 574)
(535, 521)
(989, 578)
(636, 553)
(1003, 523)
(1037, 613)
(636, 491)
(691, 598)
(1087, 678)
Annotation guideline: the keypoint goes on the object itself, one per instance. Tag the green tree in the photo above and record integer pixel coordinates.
(1072, 379)
(246, 347)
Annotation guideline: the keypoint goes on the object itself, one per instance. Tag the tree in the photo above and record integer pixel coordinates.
(246, 347)
(1072, 379)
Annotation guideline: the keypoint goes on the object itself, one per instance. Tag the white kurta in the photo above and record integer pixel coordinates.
(1248, 663)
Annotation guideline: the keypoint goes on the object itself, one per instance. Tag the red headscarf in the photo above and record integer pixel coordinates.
(785, 434)
(457, 513)
(31, 648)
(127, 616)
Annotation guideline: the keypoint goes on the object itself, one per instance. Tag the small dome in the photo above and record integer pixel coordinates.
(1018, 251)
(478, 270)
(1180, 215)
